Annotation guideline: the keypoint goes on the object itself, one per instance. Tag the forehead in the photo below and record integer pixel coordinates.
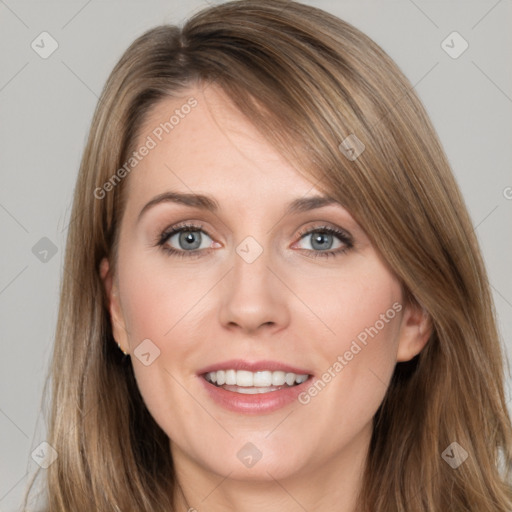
(198, 141)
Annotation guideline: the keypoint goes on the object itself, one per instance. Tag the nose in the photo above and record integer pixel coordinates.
(254, 297)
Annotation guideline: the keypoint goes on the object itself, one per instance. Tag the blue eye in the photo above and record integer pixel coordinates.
(322, 239)
(189, 238)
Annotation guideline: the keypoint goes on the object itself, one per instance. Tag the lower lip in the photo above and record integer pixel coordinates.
(259, 403)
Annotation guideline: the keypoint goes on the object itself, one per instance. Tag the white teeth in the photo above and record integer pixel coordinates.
(244, 378)
(278, 378)
(301, 378)
(250, 391)
(290, 379)
(261, 379)
(230, 377)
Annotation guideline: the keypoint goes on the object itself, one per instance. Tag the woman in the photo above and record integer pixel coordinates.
(273, 296)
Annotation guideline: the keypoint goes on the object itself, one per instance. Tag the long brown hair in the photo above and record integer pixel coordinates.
(308, 80)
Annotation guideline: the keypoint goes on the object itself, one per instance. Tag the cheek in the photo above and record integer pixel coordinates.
(157, 297)
(358, 355)
(359, 306)
(164, 307)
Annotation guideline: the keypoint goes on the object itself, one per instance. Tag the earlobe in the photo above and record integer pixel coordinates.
(113, 306)
(415, 331)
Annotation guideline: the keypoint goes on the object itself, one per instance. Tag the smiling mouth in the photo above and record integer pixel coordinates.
(251, 383)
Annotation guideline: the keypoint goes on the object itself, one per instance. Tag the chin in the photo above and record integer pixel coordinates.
(269, 467)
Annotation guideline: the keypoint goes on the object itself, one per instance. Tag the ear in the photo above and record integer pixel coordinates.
(116, 315)
(415, 331)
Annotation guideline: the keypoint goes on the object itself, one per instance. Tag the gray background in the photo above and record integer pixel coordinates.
(46, 106)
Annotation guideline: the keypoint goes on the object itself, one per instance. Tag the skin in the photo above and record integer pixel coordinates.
(286, 306)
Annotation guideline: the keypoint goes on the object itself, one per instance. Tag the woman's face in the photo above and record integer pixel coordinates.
(259, 286)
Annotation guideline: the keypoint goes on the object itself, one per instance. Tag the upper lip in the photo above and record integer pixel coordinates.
(253, 366)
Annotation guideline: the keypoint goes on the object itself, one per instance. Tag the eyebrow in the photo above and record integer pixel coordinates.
(203, 202)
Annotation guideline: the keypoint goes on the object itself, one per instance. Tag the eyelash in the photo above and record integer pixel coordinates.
(168, 233)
